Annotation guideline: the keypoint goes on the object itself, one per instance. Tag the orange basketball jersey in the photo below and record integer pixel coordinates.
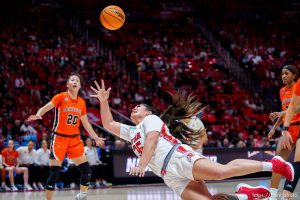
(68, 112)
(286, 97)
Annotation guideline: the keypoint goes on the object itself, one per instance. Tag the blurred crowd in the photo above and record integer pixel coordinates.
(36, 58)
(263, 45)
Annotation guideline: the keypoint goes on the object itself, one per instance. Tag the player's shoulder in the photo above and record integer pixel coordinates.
(81, 100)
(5, 150)
(151, 118)
(282, 90)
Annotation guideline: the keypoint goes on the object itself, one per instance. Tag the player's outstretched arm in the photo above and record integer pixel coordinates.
(106, 117)
(41, 112)
(148, 151)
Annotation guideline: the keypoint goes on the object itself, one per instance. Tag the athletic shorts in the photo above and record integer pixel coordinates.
(62, 146)
(179, 172)
(294, 131)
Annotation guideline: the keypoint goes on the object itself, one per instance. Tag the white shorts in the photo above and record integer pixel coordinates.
(179, 171)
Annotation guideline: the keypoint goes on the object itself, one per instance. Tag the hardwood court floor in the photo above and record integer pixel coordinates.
(134, 192)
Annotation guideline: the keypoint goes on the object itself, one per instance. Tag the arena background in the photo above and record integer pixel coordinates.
(228, 53)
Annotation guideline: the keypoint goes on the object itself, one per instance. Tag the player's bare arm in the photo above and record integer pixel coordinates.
(278, 122)
(88, 127)
(41, 112)
(107, 119)
(147, 153)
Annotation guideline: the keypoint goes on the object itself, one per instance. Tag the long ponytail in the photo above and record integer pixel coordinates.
(183, 107)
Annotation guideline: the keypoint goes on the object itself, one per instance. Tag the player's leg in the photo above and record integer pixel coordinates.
(24, 171)
(11, 177)
(204, 169)
(85, 170)
(3, 173)
(196, 190)
(55, 166)
(290, 186)
(275, 180)
(77, 155)
(58, 150)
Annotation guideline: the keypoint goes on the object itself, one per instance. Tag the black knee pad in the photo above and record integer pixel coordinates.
(86, 173)
(291, 185)
(53, 177)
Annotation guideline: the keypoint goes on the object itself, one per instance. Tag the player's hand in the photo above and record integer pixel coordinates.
(100, 141)
(101, 93)
(287, 140)
(137, 171)
(271, 133)
(274, 115)
(33, 118)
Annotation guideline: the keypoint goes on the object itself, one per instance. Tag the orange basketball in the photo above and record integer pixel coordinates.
(112, 17)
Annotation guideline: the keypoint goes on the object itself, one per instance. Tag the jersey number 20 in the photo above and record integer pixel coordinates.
(72, 119)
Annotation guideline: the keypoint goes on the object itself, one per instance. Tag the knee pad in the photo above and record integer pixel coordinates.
(86, 173)
(53, 177)
(291, 185)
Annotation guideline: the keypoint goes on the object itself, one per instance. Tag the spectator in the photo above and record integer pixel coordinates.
(42, 162)
(27, 157)
(11, 163)
(97, 167)
(26, 127)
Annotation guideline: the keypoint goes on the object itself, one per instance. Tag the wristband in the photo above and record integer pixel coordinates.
(285, 128)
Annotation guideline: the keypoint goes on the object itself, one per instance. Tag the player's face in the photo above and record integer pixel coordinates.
(287, 76)
(74, 83)
(10, 144)
(139, 112)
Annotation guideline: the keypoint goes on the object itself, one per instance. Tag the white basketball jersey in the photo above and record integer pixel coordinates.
(137, 135)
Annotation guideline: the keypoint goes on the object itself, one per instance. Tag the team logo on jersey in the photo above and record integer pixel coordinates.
(189, 156)
(66, 99)
(282, 92)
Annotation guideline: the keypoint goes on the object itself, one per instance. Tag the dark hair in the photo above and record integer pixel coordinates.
(31, 141)
(183, 107)
(75, 74)
(149, 108)
(292, 69)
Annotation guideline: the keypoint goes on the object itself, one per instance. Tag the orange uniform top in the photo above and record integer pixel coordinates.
(10, 157)
(68, 112)
(286, 97)
(297, 88)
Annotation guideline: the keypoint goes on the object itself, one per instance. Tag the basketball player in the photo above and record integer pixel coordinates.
(70, 109)
(153, 143)
(288, 141)
(289, 76)
(186, 126)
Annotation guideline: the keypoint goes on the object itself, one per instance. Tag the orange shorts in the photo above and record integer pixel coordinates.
(294, 131)
(62, 146)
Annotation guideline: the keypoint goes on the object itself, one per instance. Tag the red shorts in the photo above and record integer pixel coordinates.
(62, 146)
(294, 131)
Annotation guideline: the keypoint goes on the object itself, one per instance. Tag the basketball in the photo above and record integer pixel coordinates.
(112, 17)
